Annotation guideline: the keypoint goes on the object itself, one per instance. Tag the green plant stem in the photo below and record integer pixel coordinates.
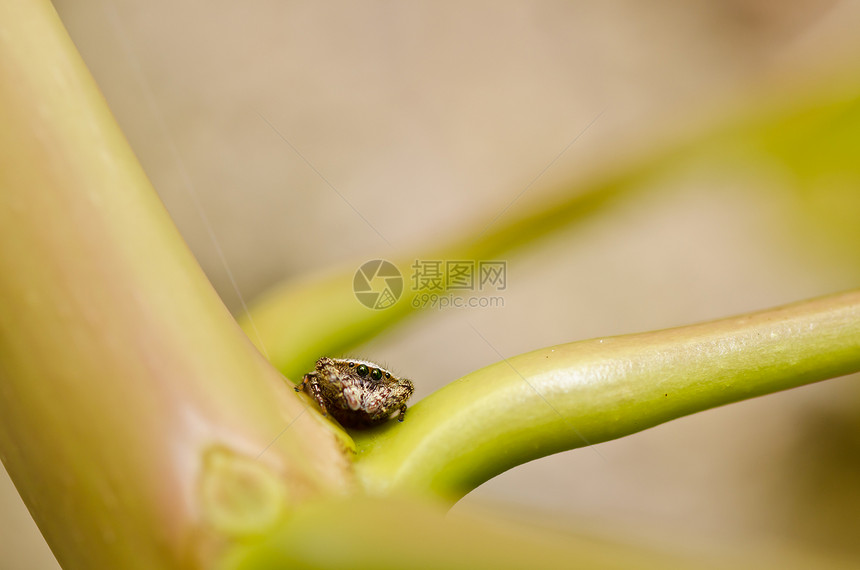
(812, 134)
(584, 393)
(134, 413)
(325, 318)
(406, 533)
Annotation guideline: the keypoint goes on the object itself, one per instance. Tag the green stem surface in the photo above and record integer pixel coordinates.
(139, 424)
(584, 393)
(363, 532)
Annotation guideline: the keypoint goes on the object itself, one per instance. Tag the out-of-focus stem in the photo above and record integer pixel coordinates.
(137, 421)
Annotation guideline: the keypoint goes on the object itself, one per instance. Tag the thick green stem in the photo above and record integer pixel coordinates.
(583, 393)
(395, 532)
(132, 407)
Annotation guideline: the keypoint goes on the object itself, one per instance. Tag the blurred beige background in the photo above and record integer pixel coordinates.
(423, 117)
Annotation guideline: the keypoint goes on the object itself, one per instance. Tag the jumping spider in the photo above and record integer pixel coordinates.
(357, 393)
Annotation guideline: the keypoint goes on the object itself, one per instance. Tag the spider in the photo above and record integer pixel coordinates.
(357, 393)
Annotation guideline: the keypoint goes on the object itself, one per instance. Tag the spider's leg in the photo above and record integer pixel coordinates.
(311, 381)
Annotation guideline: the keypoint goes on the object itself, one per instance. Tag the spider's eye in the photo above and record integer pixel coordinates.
(352, 364)
(387, 375)
(362, 370)
(376, 373)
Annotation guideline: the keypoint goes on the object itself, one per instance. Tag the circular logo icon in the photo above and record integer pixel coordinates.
(377, 284)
